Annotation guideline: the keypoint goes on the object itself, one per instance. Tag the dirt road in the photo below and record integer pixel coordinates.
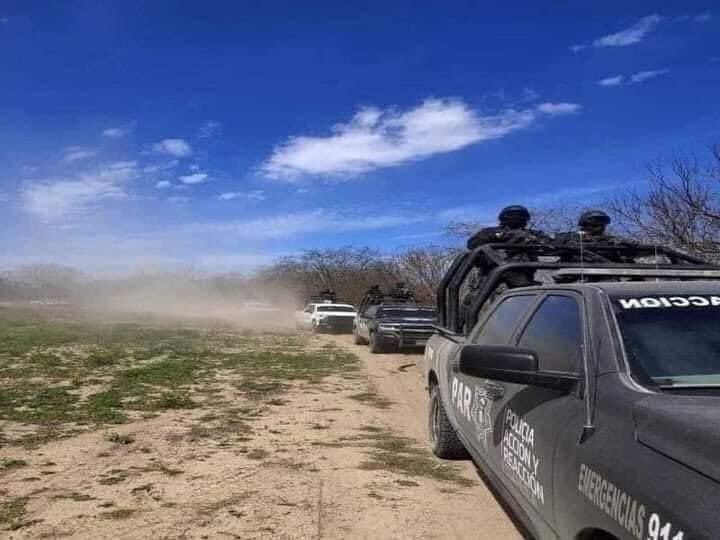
(399, 377)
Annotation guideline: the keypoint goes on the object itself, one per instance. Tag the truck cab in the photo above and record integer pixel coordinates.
(326, 316)
(390, 327)
(591, 406)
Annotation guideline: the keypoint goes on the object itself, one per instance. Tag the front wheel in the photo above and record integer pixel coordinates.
(375, 347)
(443, 437)
(357, 338)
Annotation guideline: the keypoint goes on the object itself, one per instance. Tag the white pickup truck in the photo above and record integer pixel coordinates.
(326, 316)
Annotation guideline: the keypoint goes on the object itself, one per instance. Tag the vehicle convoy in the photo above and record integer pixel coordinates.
(388, 321)
(326, 316)
(590, 400)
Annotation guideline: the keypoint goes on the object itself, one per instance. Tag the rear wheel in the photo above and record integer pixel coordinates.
(443, 437)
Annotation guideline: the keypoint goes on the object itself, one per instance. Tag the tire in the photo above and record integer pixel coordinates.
(444, 441)
(358, 339)
(375, 347)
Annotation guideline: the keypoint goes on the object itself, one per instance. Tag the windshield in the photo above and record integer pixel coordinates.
(407, 313)
(344, 309)
(674, 341)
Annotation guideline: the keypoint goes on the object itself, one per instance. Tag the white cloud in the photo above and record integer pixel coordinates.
(642, 76)
(255, 195)
(54, 199)
(116, 133)
(76, 153)
(173, 147)
(631, 35)
(209, 128)
(617, 80)
(557, 109)
(177, 199)
(123, 165)
(163, 184)
(195, 178)
(635, 78)
(376, 138)
(293, 224)
(157, 167)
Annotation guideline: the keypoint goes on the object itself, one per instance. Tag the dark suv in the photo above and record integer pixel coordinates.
(388, 327)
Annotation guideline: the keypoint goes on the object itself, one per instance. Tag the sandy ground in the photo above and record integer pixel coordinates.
(399, 377)
(289, 468)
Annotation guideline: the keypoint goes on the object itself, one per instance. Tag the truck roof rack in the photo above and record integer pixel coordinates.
(372, 298)
(643, 262)
(323, 300)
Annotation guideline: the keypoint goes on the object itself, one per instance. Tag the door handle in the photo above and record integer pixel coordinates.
(494, 390)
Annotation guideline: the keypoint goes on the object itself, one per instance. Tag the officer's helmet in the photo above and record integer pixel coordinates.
(515, 216)
(593, 221)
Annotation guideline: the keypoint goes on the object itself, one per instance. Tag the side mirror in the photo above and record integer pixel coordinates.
(510, 364)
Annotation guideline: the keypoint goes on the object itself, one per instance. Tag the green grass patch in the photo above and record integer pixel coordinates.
(118, 513)
(48, 364)
(7, 464)
(74, 496)
(390, 452)
(12, 512)
(373, 399)
(257, 453)
(171, 400)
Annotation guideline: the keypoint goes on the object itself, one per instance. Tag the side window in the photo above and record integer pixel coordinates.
(502, 322)
(555, 333)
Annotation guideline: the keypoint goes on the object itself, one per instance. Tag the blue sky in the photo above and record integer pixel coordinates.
(218, 135)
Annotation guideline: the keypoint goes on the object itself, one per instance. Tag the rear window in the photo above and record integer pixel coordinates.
(346, 309)
(502, 322)
(555, 333)
(672, 340)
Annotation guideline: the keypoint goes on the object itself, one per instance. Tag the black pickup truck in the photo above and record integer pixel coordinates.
(593, 407)
(389, 327)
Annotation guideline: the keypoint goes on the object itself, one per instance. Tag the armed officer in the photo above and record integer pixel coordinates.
(511, 229)
(374, 294)
(328, 295)
(592, 232)
(401, 291)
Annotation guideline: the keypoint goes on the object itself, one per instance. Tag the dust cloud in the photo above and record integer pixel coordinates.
(238, 301)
